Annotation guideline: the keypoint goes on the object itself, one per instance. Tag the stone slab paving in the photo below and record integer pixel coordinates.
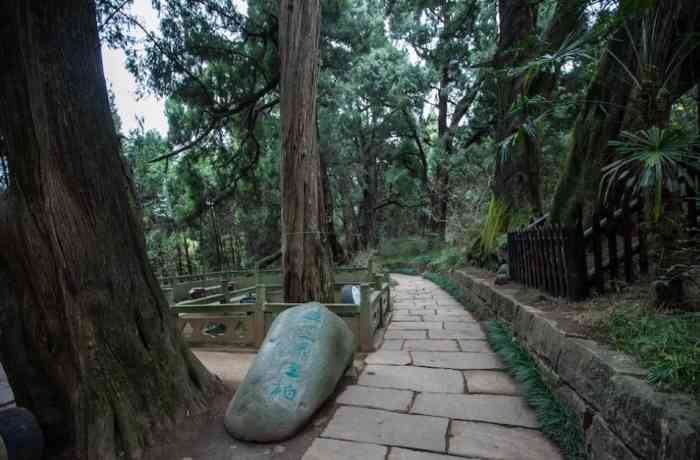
(389, 357)
(493, 382)
(467, 331)
(430, 345)
(503, 410)
(378, 398)
(474, 346)
(323, 449)
(413, 378)
(457, 360)
(392, 344)
(433, 391)
(402, 334)
(388, 428)
(416, 325)
(493, 442)
(406, 454)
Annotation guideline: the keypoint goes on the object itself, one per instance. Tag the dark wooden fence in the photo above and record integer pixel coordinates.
(690, 204)
(567, 261)
(549, 257)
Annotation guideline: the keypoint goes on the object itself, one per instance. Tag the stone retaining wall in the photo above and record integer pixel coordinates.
(623, 417)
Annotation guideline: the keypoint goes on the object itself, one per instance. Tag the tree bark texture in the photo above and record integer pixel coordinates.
(614, 100)
(87, 340)
(516, 183)
(306, 259)
(337, 250)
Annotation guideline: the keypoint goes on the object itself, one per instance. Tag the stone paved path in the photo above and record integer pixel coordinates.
(434, 391)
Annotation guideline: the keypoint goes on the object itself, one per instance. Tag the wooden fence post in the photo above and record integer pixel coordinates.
(577, 278)
(364, 326)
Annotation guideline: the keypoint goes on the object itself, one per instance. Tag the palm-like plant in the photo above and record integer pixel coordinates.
(653, 160)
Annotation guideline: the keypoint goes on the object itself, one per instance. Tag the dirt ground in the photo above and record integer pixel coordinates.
(206, 439)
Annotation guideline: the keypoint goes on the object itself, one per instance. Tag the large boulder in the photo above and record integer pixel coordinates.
(299, 364)
(21, 434)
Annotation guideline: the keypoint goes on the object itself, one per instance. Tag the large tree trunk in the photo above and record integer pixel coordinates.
(349, 225)
(516, 188)
(188, 259)
(367, 206)
(615, 102)
(329, 215)
(515, 172)
(306, 261)
(87, 340)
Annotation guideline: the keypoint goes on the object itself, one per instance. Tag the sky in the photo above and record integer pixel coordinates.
(129, 104)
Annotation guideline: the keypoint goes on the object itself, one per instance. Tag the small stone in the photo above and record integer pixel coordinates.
(279, 449)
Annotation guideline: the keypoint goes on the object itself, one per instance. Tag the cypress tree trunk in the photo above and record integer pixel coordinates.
(87, 341)
(188, 260)
(515, 180)
(329, 215)
(306, 260)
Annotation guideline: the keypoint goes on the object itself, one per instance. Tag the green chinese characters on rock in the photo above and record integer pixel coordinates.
(297, 368)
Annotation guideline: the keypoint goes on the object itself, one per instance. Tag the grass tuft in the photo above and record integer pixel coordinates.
(666, 344)
(447, 284)
(557, 421)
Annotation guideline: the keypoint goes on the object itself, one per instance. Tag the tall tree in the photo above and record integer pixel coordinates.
(524, 87)
(87, 340)
(651, 59)
(306, 259)
(440, 33)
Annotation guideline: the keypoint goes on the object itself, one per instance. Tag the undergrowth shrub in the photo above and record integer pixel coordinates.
(403, 247)
(666, 344)
(449, 259)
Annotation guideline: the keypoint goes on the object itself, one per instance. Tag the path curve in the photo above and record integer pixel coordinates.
(434, 391)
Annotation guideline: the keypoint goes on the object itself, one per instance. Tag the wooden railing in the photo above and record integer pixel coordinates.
(178, 288)
(207, 322)
(557, 258)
